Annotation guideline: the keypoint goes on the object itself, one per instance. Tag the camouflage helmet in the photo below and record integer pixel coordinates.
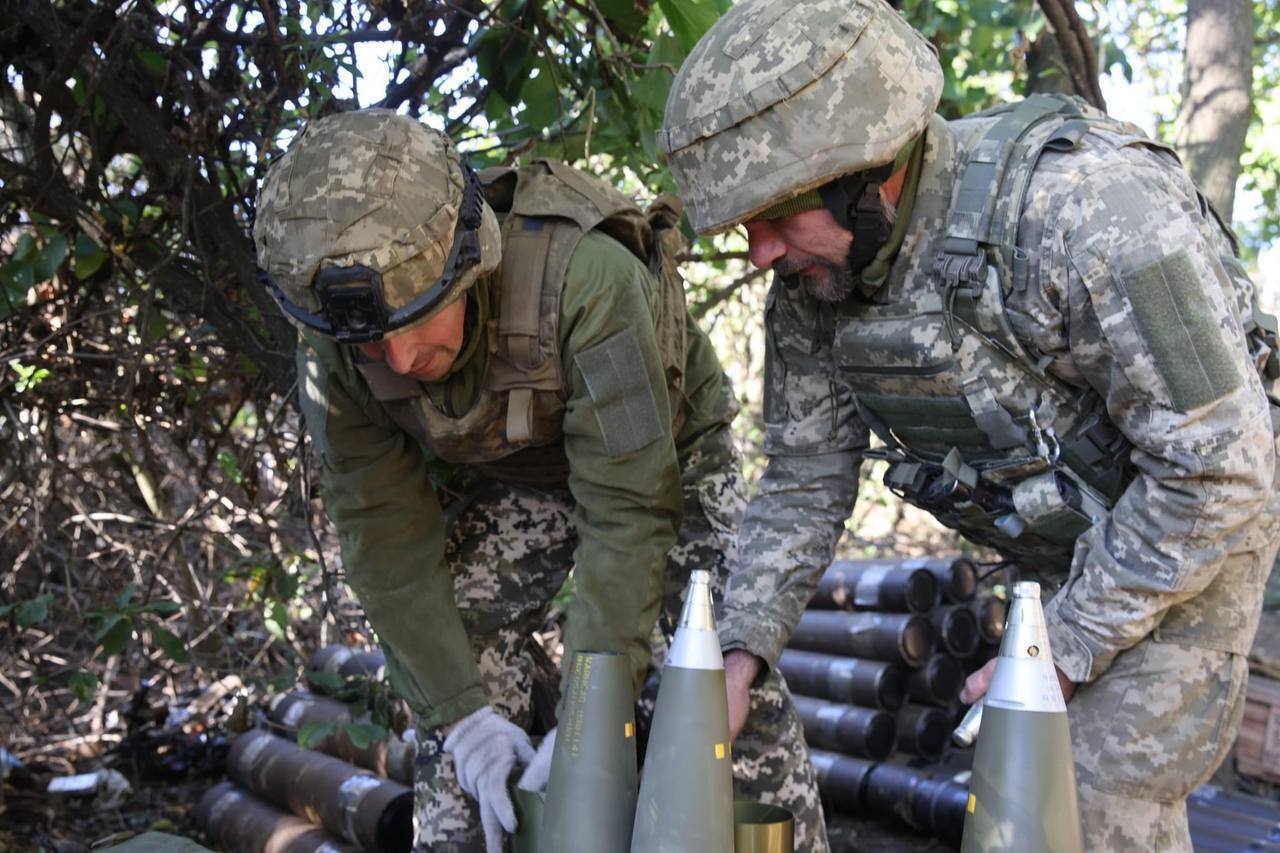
(781, 96)
(371, 222)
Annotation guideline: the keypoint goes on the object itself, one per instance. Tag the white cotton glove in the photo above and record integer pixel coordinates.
(485, 748)
(538, 772)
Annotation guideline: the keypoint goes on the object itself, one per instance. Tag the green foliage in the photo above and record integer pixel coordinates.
(689, 19)
(312, 734)
(362, 735)
(328, 681)
(151, 371)
(116, 625)
(82, 684)
(29, 376)
(980, 44)
(27, 613)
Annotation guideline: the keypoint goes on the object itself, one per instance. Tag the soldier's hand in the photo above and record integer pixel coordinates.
(740, 670)
(977, 684)
(485, 748)
(538, 773)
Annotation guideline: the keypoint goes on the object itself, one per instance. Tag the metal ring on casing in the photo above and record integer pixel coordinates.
(226, 801)
(762, 828)
(350, 794)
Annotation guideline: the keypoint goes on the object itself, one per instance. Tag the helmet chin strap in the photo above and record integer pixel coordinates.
(854, 201)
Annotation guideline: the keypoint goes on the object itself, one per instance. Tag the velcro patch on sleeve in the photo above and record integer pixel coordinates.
(1181, 327)
(618, 383)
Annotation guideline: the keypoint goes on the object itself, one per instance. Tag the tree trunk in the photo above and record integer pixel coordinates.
(1063, 58)
(1216, 96)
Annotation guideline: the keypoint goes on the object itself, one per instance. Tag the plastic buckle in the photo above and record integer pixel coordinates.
(1047, 447)
(957, 269)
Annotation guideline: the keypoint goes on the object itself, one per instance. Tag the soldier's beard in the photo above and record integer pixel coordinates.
(824, 279)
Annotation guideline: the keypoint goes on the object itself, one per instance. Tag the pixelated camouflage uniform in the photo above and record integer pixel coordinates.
(1161, 601)
(1122, 286)
(606, 477)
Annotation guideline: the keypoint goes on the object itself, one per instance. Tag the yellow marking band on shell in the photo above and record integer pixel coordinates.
(720, 751)
(973, 803)
(628, 729)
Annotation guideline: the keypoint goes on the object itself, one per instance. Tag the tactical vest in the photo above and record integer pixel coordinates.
(513, 430)
(977, 432)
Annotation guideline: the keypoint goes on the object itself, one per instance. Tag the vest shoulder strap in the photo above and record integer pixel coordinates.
(549, 207)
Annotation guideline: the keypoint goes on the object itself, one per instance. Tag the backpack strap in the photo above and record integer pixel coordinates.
(549, 207)
(969, 222)
(975, 268)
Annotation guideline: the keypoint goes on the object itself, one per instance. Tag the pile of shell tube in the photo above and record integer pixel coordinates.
(335, 796)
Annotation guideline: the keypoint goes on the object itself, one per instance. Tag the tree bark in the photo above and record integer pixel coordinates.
(1072, 54)
(1217, 103)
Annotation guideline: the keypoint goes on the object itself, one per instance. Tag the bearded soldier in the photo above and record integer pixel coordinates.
(529, 330)
(1047, 328)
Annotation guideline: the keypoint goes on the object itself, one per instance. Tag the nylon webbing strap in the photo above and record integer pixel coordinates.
(969, 223)
(993, 419)
(526, 253)
(519, 415)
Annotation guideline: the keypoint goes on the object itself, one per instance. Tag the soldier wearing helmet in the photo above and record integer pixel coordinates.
(1047, 328)
(526, 327)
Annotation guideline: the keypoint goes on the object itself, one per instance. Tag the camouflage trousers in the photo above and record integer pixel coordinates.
(1149, 731)
(510, 549)
(1154, 727)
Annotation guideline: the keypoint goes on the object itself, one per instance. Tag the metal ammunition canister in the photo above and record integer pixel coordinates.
(392, 757)
(876, 585)
(376, 814)
(853, 681)
(848, 729)
(897, 637)
(241, 823)
(938, 682)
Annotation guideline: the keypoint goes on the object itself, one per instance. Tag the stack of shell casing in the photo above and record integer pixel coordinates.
(932, 801)
(878, 659)
(282, 797)
(348, 662)
(391, 757)
(929, 800)
(876, 665)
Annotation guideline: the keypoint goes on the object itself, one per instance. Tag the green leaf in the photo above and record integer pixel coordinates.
(117, 636)
(152, 61)
(277, 620)
(25, 250)
(364, 734)
(51, 257)
(125, 595)
(29, 376)
(326, 680)
(82, 684)
(230, 467)
(284, 681)
(689, 19)
(16, 278)
(170, 643)
(33, 611)
(625, 17)
(541, 99)
(283, 583)
(311, 734)
(157, 607)
(106, 625)
(89, 256)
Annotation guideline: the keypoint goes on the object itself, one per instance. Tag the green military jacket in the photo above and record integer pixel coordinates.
(1121, 287)
(628, 498)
